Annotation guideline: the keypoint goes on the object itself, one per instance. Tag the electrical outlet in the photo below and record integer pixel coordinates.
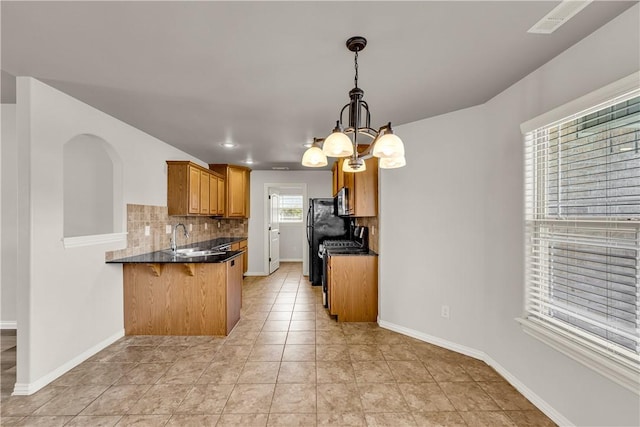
(190, 227)
(444, 311)
(147, 230)
(373, 230)
(206, 226)
(218, 224)
(167, 229)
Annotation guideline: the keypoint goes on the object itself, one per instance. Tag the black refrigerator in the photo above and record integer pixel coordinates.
(322, 224)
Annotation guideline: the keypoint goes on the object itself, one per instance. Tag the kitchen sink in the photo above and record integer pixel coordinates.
(187, 250)
(194, 253)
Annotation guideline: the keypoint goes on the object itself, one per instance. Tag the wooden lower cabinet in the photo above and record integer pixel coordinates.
(182, 299)
(234, 292)
(242, 246)
(353, 287)
(245, 256)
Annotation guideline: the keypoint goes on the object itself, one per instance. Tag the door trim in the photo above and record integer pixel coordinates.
(265, 223)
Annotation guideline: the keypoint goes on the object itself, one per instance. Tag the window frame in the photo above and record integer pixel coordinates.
(578, 349)
(301, 220)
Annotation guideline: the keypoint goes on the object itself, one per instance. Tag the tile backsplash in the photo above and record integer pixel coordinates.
(157, 218)
(374, 231)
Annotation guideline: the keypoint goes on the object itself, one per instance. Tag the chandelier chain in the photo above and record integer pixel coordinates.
(355, 80)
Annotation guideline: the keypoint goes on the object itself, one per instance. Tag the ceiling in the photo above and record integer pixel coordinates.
(269, 76)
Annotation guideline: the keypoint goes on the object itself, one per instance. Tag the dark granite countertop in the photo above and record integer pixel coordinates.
(165, 256)
(350, 252)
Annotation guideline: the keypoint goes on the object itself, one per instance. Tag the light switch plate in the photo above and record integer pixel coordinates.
(147, 230)
(206, 226)
(167, 229)
(190, 227)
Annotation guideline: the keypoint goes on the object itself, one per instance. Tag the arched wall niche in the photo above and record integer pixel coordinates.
(92, 191)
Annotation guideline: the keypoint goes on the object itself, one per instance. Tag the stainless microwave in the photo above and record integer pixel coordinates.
(342, 202)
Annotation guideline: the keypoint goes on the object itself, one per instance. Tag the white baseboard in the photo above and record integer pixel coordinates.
(540, 403)
(25, 389)
(8, 324)
(537, 401)
(468, 351)
(255, 273)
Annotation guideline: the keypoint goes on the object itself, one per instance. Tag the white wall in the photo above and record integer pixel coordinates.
(291, 246)
(70, 302)
(318, 184)
(430, 209)
(489, 237)
(9, 180)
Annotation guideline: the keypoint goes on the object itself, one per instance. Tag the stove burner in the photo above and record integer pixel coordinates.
(340, 244)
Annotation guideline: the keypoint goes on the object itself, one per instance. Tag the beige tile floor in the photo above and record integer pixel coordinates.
(287, 363)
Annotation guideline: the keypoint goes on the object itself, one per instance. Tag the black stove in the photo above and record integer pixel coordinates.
(340, 243)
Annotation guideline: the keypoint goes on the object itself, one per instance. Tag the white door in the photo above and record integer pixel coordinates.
(274, 233)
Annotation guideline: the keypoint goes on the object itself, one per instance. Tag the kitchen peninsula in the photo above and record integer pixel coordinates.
(195, 292)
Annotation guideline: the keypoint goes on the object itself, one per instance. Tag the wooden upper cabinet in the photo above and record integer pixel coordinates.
(213, 194)
(236, 192)
(221, 195)
(365, 202)
(204, 192)
(189, 189)
(236, 189)
(334, 169)
(194, 190)
(216, 195)
(362, 187)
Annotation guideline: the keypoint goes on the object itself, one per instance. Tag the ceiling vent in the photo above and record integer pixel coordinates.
(558, 16)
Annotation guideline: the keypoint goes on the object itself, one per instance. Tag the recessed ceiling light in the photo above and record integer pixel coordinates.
(228, 145)
(248, 161)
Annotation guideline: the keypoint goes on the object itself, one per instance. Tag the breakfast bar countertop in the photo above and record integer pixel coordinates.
(166, 257)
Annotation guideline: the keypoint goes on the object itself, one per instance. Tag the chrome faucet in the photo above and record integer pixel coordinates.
(174, 246)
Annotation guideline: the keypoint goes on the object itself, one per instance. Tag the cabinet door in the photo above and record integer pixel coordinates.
(331, 290)
(365, 190)
(245, 256)
(204, 192)
(349, 183)
(334, 170)
(221, 196)
(213, 195)
(356, 297)
(234, 292)
(194, 190)
(236, 187)
(338, 176)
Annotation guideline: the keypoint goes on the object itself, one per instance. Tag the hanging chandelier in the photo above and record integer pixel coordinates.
(345, 141)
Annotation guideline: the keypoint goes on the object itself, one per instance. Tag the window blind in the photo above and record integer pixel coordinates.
(290, 209)
(583, 228)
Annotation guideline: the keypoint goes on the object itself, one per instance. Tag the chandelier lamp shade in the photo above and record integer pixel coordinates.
(314, 157)
(344, 141)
